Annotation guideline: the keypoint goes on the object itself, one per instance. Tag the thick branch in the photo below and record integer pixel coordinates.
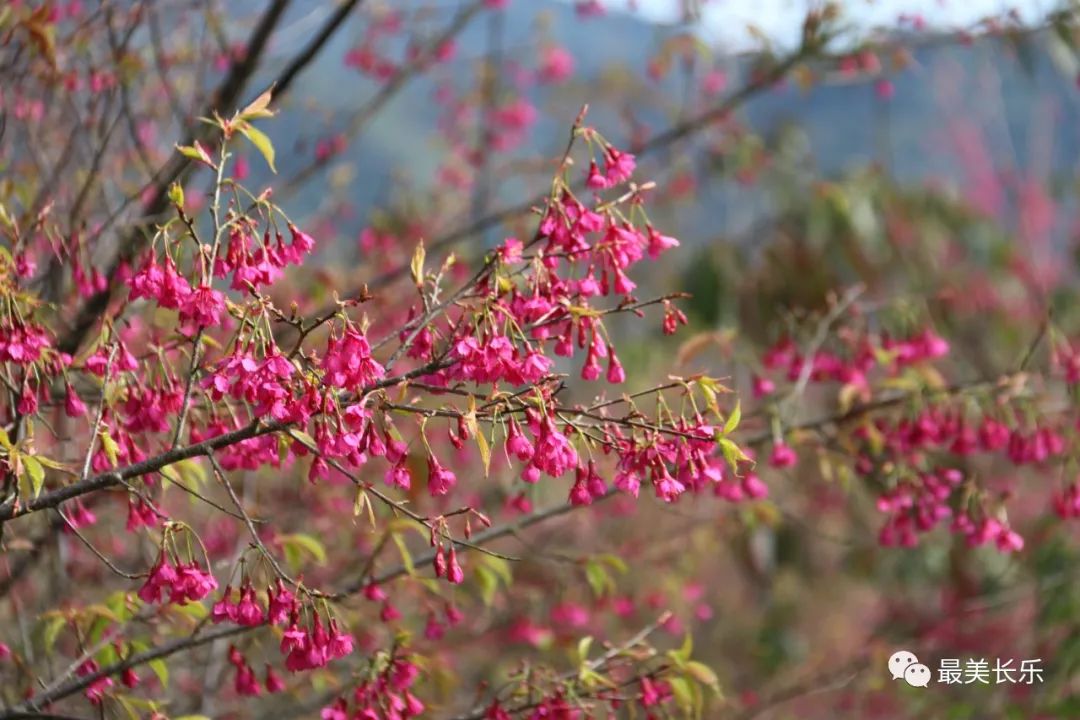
(81, 683)
(110, 479)
(223, 98)
(312, 49)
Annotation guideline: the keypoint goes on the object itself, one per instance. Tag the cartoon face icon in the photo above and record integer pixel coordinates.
(917, 675)
(899, 662)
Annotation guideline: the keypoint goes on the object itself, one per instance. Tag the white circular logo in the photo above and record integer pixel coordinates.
(900, 661)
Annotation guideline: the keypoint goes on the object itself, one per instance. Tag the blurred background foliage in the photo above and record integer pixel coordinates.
(942, 178)
(937, 169)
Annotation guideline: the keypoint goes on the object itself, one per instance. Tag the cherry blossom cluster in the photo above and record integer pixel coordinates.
(28, 347)
(250, 263)
(170, 289)
(541, 305)
(920, 455)
(385, 696)
(184, 582)
(96, 690)
(304, 648)
(281, 604)
(921, 501)
(495, 357)
(245, 682)
(314, 646)
(783, 361)
(653, 695)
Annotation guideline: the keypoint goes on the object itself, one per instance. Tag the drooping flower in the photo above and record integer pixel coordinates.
(185, 583)
(348, 362)
(517, 444)
(659, 244)
(556, 65)
(203, 307)
(302, 244)
(454, 573)
(619, 166)
(615, 372)
(73, 405)
(782, 456)
(440, 479)
(274, 683)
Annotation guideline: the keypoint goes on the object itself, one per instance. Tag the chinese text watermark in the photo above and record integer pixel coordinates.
(904, 665)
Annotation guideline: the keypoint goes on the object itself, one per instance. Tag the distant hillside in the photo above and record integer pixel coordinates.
(1024, 107)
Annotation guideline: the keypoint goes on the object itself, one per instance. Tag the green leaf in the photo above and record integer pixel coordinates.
(709, 390)
(304, 438)
(118, 605)
(361, 503)
(108, 655)
(130, 709)
(490, 570)
(733, 419)
(683, 692)
(732, 452)
(52, 631)
(100, 610)
(703, 674)
(259, 107)
(137, 708)
(598, 578)
(583, 649)
(176, 195)
(195, 152)
(261, 142)
(161, 670)
(192, 471)
(194, 610)
(50, 463)
(284, 444)
(485, 452)
(36, 473)
(296, 544)
(500, 567)
(110, 447)
(590, 678)
(210, 342)
(687, 649)
(470, 417)
(616, 562)
(488, 583)
(406, 556)
(98, 628)
(416, 266)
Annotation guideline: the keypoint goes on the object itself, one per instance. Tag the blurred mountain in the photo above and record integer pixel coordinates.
(1002, 103)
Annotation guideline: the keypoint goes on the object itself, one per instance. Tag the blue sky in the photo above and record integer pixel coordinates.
(727, 21)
